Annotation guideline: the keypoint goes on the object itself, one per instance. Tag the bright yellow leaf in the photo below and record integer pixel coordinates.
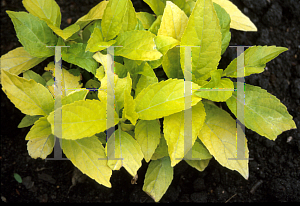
(174, 21)
(238, 20)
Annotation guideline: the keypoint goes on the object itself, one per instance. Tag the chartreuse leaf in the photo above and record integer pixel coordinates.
(147, 78)
(119, 88)
(69, 82)
(203, 33)
(224, 21)
(88, 155)
(129, 19)
(48, 10)
(155, 25)
(33, 33)
(202, 154)
(67, 32)
(164, 43)
(147, 134)
(28, 96)
(82, 118)
(36, 77)
(171, 63)
(28, 120)
(157, 6)
(95, 13)
(255, 59)
(129, 104)
(40, 128)
(263, 112)
(137, 45)
(112, 20)
(218, 134)
(146, 19)
(161, 150)
(238, 20)
(74, 96)
(119, 68)
(41, 147)
(217, 82)
(18, 60)
(128, 153)
(96, 42)
(173, 22)
(162, 99)
(158, 178)
(41, 140)
(76, 54)
(174, 133)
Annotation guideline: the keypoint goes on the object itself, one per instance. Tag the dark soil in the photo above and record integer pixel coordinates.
(274, 171)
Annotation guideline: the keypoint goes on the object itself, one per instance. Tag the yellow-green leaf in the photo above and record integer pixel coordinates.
(95, 13)
(41, 147)
(74, 96)
(28, 120)
(238, 20)
(147, 134)
(112, 20)
(155, 25)
(263, 112)
(146, 19)
(174, 131)
(164, 43)
(76, 54)
(129, 104)
(96, 42)
(216, 82)
(128, 149)
(36, 77)
(18, 60)
(82, 118)
(157, 6)
(48, 11)
(40, 128)
(203, 156)
(41, 140)
(161, 150)
(255, 59)
(69, 82)
(33, 33)
(137, 45)
(162, 99)
(199, 165)
(158, 178)
(224, 20)
(203, 33)
(218, 134)
(28, 96)
(147, 78)
(119, 90)
(174, 21)
(88, 155)
(129, 19)
(171, 63)
(66, 32)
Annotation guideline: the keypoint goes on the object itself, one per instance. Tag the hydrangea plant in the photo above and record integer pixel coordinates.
(135, 85)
